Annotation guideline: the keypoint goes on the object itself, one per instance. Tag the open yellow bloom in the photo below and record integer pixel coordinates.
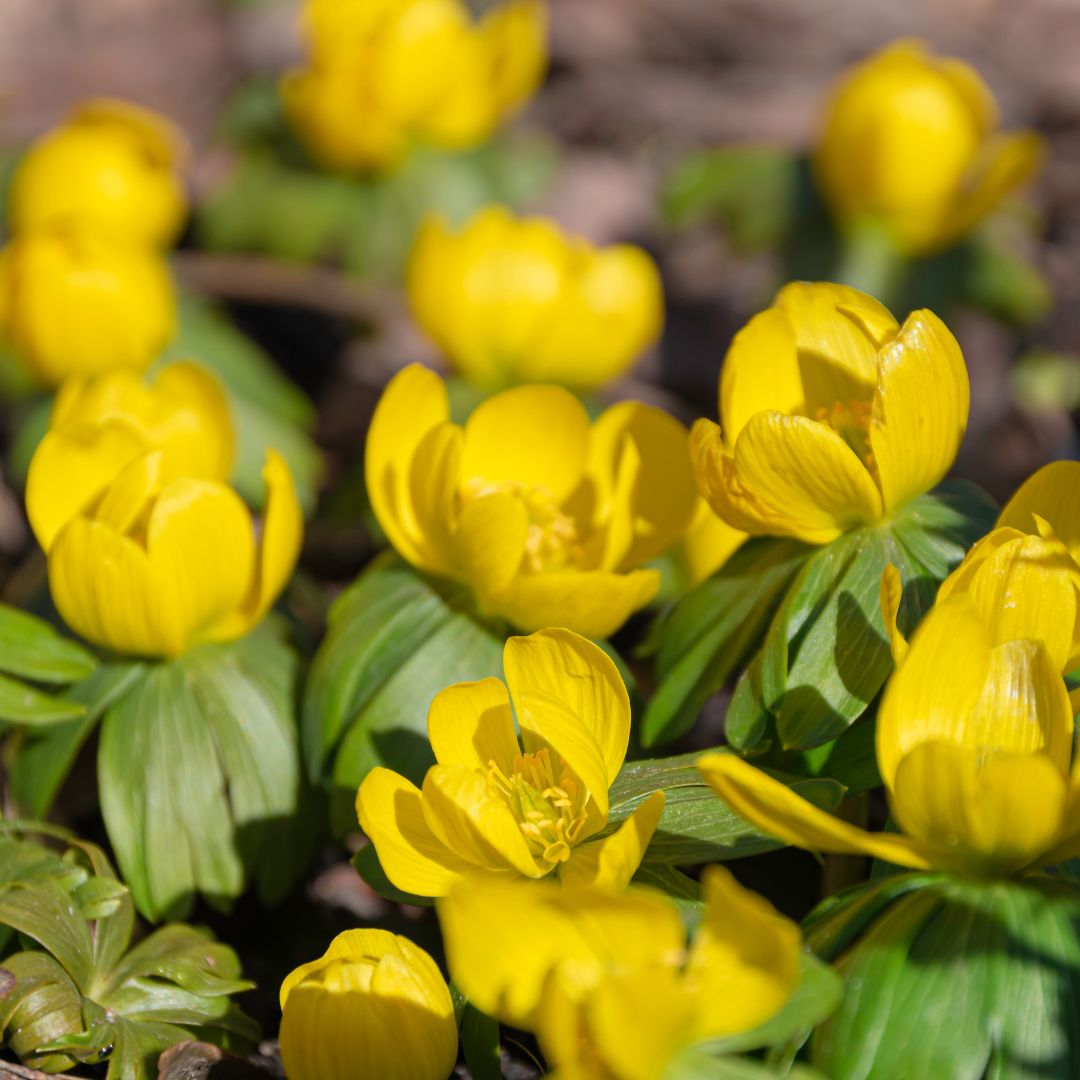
(911, 145)
(513, 300)
(111, 167)
(149, 551)
(1025, 576)
(608, 982)
(384, 74)
(73, 303)
(832, 415)
(494, 806)
(974, 743)
(544, 516)
(374, 1005)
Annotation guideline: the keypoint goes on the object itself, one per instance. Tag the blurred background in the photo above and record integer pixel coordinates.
(634, 86)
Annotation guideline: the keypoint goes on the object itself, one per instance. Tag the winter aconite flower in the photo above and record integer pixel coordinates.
(974, 745)
(73, 303)
(608, 982)
(149, 551)
(496, 806)
(111, 167)
(832, 415)
(512, 300)
(545, 516)
(911, 146)
(1025, 576)
(374, 1005)
(382, 75)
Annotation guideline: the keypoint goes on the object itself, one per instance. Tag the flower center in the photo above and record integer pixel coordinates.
(552, 541)
(851, 421)
(547, 800)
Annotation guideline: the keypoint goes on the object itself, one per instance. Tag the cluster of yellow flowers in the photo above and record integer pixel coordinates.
(84, 286)
(383, 74)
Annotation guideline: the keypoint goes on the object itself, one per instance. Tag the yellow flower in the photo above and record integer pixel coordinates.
(383, 74)
(100, 425)
(112, 167)
(1025, 576)
(149, 551)
(72, 303)
(709, 542)
(493, 806)
(974, 742)
(832, 415)
(608, 982)
(911, 145)
(544, 516)
(517, 300)
(374, 1005)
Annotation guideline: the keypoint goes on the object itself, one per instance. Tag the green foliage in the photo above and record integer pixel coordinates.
(952, 978)
(395, 639)
(199, 776)
(290, 211)
(479, 1038)
(76, 992)
(268, 411)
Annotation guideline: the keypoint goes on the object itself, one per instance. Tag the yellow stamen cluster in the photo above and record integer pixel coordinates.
(552, 541)
(548, 801)
(851, 421)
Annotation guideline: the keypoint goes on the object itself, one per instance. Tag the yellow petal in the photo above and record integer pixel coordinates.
(568, 694)
(504, 938)
(761, 373)
(155, 601)
(655, 507)
(489, 542)
(610, 863)
(515, 38)
(475, 823)
(125, 504)
(536, 435)
(838, 331)
(1024, 587)
(411, 405)
(592, 603)
(997, 813)
(920, 408)
(745, 960)
(389, 810)
(471, 724)
(70, 470)
(800, 478)
(433, 484)
(709, 543)
(889, 597)
(776, 809)
(1051, 495)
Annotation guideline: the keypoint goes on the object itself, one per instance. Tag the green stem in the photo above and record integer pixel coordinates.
(869, 261)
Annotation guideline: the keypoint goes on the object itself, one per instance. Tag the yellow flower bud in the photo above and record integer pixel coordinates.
(381, 75)
(111, 166)
(832, 415)
(149, 551)
(910, 145)
(73, 303)
(374, 1005)
(517, 300)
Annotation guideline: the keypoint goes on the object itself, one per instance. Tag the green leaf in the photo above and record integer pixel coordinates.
(199, 776)
(753, 191)
(480, 1043)
(698, 1064)
(24, 706)
(32, 649)
(43, 757)
(680, 887)
(394, 641)
(712, 630)
(41, 908)
(41, 1008)
(959, 979)
(696, 826)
